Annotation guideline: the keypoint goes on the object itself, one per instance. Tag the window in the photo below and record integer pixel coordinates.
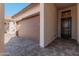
(66, 14)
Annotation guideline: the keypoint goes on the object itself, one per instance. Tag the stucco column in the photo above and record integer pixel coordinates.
(1, 30)
(42, 25)
(50, 23)
(78, 23)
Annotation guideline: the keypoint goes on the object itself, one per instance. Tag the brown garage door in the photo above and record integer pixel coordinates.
(30, 28)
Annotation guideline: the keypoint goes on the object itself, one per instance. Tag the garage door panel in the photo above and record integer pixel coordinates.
(30, 28)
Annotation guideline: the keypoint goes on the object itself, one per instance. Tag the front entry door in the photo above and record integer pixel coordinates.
(66, 28)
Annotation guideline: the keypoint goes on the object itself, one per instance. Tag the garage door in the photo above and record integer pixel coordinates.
(30, 28)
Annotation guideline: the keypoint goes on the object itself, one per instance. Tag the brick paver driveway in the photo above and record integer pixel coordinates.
(18, 46)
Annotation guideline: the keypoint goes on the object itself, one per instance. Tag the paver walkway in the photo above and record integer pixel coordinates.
(18, 46)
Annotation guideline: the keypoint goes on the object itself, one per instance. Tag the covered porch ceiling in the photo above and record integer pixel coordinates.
(64, 5)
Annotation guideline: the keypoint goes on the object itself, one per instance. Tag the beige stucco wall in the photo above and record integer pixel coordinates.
(1, 30)
(74, 21)
(30, 28)
(50, 23)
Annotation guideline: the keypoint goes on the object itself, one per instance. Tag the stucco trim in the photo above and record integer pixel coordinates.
(30, 16)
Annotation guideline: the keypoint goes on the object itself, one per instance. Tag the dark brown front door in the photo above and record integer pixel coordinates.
(66, 28)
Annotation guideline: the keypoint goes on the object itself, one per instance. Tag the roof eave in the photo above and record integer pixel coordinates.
(23, 10)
